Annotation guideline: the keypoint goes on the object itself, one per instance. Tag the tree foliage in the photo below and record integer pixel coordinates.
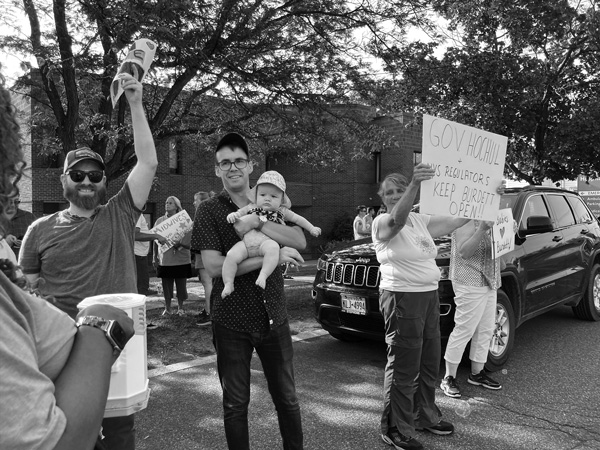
(527, 70)
(268, 69)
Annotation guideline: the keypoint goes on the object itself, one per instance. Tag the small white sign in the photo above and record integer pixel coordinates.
(469, 168)
(174, 229)
(503, 232)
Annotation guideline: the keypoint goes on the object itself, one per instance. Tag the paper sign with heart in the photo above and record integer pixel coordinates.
(503, 234)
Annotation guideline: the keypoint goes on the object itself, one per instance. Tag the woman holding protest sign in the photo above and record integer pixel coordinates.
(475, 276)
(409, 304)
(173, 264)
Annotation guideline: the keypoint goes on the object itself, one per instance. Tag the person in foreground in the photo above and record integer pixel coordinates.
(409, 304)
(55, 375)
(87, 249)
(475, 276)
(269, 202)
(251, 318)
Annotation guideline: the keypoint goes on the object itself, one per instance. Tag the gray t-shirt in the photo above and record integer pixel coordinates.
(36, 340)
(77, 257)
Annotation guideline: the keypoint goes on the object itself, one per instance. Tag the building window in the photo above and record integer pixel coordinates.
(175, 157)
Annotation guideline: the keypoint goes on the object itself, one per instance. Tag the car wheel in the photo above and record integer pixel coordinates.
(504, 333)
(345, 337)
(589, 306)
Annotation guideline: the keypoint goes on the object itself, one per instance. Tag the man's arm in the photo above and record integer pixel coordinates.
(82, 386)
(145, 237)
(213, 261)
(141, 176)
(282, 234)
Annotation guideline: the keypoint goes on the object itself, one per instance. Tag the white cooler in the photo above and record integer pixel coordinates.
(128, 391)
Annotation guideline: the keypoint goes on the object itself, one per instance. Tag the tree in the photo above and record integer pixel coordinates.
(527, 70)
(268, 69)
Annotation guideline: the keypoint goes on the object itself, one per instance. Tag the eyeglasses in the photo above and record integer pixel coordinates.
(77, 176)
(238, 163)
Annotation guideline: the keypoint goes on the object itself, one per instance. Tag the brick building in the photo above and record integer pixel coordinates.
(318, 195)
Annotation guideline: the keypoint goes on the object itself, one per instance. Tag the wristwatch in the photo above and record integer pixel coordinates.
(112, 330)
(262, 221)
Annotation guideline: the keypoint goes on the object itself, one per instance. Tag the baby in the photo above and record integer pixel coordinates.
(269, 202)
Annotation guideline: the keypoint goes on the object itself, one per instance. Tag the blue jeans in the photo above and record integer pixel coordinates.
(234, 354)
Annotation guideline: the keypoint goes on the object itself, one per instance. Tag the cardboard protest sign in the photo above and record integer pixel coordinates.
(137, 63)
(174, 229)
(503, 232)
(469, 166)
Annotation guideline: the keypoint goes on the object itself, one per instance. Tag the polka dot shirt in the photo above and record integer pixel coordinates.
(248, 308)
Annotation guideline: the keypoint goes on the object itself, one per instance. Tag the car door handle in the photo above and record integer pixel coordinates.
(557, 238)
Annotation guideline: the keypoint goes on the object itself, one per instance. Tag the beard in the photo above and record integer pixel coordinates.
(87, 202)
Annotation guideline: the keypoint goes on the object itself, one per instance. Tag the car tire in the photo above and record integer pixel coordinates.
(589, 306)
(345, 337)
(504, 333)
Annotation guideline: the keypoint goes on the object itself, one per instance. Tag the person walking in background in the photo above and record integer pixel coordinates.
(382, 210)
(173, 266)
(141, 248)
(250, 318)
(359, 225)
(410, 307)
(368, 220)
(87, 249)
(18, 222)
(203, 277)
(475, 276)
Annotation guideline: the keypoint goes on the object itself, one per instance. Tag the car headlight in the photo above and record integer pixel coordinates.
(444, 272)
(321, 264)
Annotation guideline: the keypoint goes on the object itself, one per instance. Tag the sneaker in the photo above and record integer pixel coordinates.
(450, 387)
(442, 428)
(167, 312)
(203, 319)
(181, 312)
(399, 441)
(481, 379)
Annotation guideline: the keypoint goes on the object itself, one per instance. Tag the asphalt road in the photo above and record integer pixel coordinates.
(550, 399)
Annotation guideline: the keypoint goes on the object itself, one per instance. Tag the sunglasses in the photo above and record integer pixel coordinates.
(77, 176)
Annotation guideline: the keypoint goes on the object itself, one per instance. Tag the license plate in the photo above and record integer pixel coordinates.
(354, 305)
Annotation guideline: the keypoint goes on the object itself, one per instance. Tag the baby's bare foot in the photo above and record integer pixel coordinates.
(227, 290)
(261, 282)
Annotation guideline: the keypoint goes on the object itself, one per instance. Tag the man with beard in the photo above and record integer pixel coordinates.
(87, 249)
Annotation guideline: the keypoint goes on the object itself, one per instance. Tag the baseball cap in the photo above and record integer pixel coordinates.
(276, 179)
(233, 140)
(81, 154)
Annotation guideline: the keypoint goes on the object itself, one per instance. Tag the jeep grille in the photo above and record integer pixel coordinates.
(352, 275)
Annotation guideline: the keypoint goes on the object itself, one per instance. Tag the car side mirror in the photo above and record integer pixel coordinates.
(538, 224)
